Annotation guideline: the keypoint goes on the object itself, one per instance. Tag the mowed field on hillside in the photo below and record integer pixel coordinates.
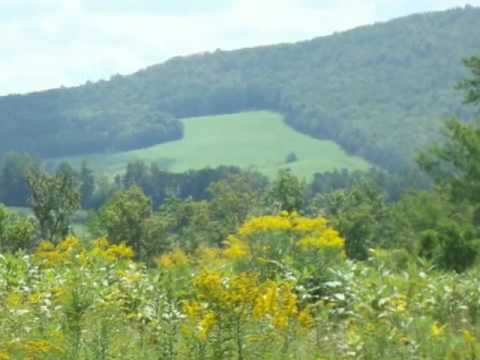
(259, 140)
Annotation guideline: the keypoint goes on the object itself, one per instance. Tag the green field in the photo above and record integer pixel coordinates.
(260, 140)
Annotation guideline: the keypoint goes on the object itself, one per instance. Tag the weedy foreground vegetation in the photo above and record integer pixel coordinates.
(280, 288)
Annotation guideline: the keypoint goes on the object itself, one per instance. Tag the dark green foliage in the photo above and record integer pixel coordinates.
(451, 246)
(55, 199)
(17, 232)
(361, 215)
(455, 163)
(159, 185)
(472, 86)
(187, 224)
(14, 189)
(78, 121)
(450, 228)
(190, 224)
(87, 186)
(323, 183)
(377, 90)
(287, 192)
(124, 218)
(291, 158)
(394, 185)
(235, 198)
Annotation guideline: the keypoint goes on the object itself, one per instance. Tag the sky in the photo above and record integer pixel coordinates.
(52, 43)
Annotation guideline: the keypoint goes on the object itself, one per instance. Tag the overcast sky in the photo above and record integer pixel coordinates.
(50, 43)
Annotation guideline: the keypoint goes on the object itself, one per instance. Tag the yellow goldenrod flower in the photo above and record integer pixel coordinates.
(276, 301)
(236, 248)
(192, 309)
(399, 304)
(437, 329)
(264, 223)
(205, 325)
(305, 319)
(38, 348)
(120, 251)
(175, 258)
(69, 244)
(468, 337)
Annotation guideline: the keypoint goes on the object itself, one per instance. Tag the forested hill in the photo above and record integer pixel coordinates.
(379, 91)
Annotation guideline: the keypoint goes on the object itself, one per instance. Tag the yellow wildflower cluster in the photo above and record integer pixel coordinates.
(468, 337)
(111, 252)
(276, 302)
(30, 349)
(206, 325)
(300, 223)
(208, 255)
(202, 318)
(236, 293)
(39, 348)
(308, 233)
(243, 297)
(437, 329)
(265, 223)
(175, 258)
(236, 248)
(53, 255)
(399, 304)
(209, 284)
(305, 318)
(328, 239)
(284, 221)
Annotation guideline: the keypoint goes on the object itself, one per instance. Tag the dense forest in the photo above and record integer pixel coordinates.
(380, 91)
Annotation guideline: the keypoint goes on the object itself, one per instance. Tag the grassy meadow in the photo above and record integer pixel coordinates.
(260, 140)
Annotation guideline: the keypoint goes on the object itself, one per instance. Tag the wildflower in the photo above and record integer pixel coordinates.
(305, 319)
(277, 302)
(111, 253)
(352, 334)
(14, 300)
(192, 309)
(208, 255)
(264, 223)
(236, 248)
(120, 251)
(53, 255)
(205, 325)
(69, 244)
(304, 224)
(210, 287)
(437, 329)
(242, 291)
(37, 348)
(327, 239)
(47, 252)
(399, 304)
(468, 337)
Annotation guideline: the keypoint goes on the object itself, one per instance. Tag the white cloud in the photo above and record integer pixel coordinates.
(66, 42)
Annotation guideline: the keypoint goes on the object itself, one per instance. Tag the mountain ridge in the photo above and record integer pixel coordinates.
(379, 91)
